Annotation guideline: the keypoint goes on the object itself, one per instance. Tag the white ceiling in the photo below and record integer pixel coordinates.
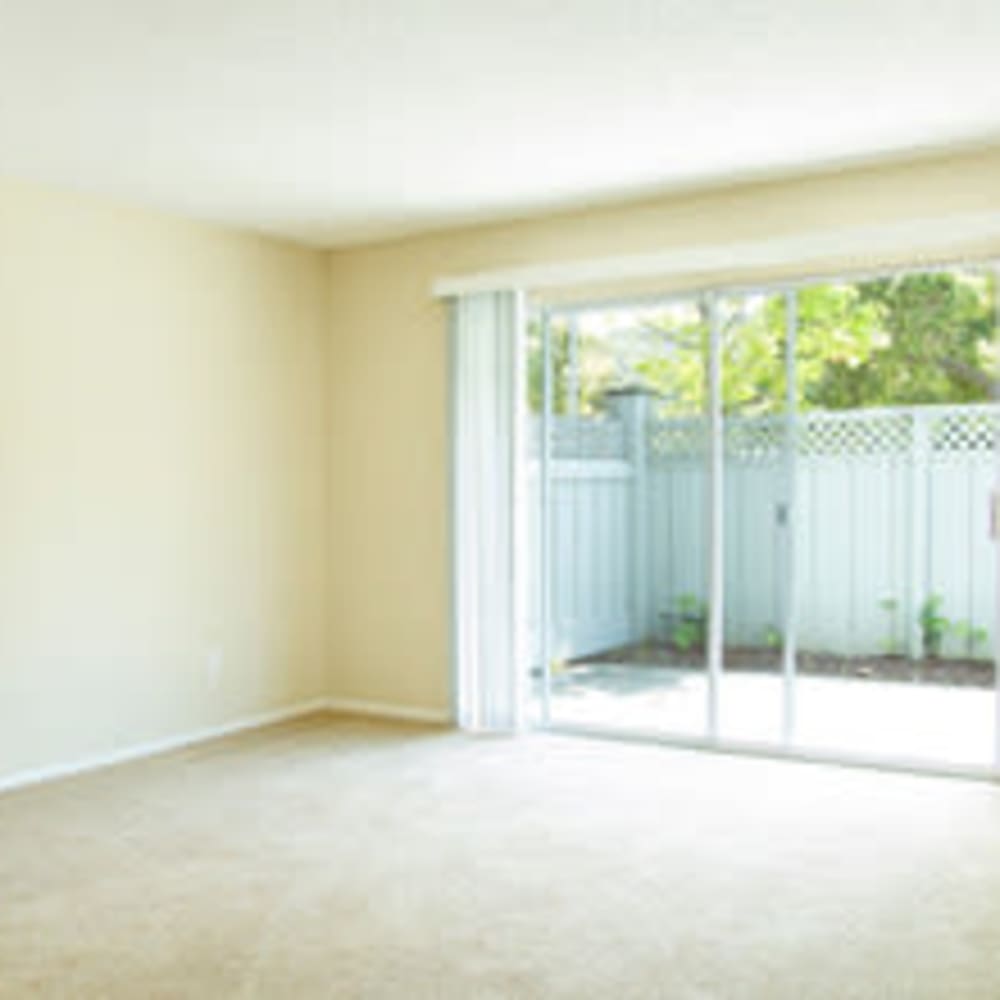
(337, 121)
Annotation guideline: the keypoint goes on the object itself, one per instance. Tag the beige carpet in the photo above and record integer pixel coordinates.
(337, 858)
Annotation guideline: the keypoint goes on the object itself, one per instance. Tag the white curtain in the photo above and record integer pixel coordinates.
(487, 506)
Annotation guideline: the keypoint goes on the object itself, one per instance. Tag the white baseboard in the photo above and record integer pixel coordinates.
(388, 710)
(52, 772)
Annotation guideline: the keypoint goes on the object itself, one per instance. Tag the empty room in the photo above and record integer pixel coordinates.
(499, 499)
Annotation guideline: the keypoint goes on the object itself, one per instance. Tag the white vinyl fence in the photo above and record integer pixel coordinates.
(889, 507)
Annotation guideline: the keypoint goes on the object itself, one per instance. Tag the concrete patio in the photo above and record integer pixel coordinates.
(924, 722)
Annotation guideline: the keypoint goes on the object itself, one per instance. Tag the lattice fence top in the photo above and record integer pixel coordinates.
(582, 438)
(960, 431)
(927, 433)
(681, 438)
(875, 434)
(937, 434)
(756, 439)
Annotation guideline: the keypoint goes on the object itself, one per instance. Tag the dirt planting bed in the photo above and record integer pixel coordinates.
(944, 672)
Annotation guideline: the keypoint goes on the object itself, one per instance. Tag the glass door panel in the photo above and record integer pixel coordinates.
(753, 334)
(895, 570)
(616, 400)
(678, 515)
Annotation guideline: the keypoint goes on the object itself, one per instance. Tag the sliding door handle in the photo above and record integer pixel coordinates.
(782, 514)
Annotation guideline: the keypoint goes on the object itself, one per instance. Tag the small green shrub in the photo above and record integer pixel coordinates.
(773, 638)
(972, 637)
(934, 626)
(688, 623)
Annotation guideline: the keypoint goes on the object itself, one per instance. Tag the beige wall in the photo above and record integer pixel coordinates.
(389, 595)
(162, 477)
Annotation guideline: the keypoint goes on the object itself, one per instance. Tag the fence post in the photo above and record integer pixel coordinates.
(631, 406)
(917, 582)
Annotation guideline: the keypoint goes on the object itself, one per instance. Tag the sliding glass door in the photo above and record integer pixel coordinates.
(617, 476)
(761, 517)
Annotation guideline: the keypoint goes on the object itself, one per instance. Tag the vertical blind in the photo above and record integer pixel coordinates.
(487, 510)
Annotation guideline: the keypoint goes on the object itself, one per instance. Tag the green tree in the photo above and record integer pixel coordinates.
(586, 370)
(910, 339)
(835, 325)
(938, 347)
